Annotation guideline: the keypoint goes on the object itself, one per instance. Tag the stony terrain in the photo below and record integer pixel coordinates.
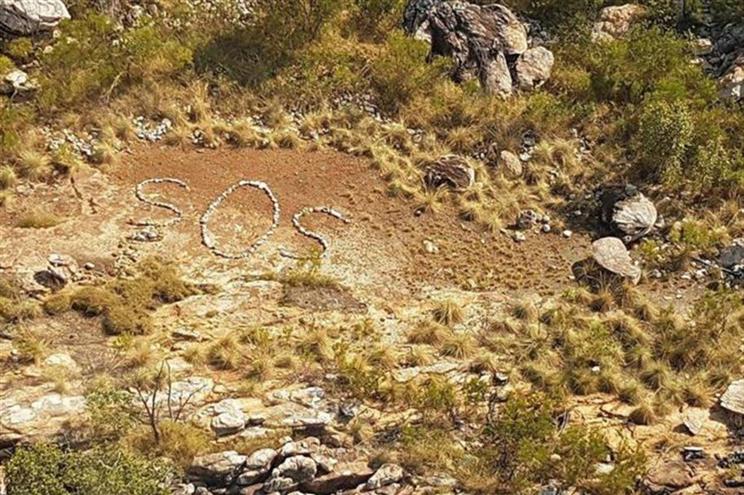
(210, 292)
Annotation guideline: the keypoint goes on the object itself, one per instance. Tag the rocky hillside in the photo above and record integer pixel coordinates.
(371, 246)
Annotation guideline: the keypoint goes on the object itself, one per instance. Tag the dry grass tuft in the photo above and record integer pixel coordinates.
(449, 312)
(38, 219)
(430, 333)
(8, 177)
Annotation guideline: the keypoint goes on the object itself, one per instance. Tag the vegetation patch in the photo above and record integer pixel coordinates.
(125, 304)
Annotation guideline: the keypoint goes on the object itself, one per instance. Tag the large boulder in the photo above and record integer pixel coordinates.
(29, 17)
(733, 399)
(611, 254)
(614, 22)
(485, 41)
(290, 473)
(628, 212)
(534, 67)
(218, 469)
(725, 61)
(732, 82)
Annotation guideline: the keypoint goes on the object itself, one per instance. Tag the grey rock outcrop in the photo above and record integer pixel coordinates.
(487, 42)
(725, 61)
(29, 17)
(218, 469)
(628, 212)
(290, 473)
(386, 475)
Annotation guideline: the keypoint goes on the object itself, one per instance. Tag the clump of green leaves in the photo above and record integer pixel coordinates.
(45, 469)
(93, 59)
(664, 139)
(400, 72)
(521, 448)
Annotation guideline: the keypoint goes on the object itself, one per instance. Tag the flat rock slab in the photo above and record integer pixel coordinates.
(733, 399)
(612, 255)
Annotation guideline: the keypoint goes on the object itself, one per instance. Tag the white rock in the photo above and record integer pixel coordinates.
(386, 475)
(733, 399)
(28, 17)
(534, 67)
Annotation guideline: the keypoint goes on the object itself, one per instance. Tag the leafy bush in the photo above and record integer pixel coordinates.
(647, 62)
(725, 11)
(558, 15)
(401, 71)
(664, 139)
(251, 55)
(332, 65)
(110, 410)
(6, 65)
(670, 14)
(374, 18)
(523, 439)
(46, 470)
(125, 303)
(520, 448)
(35, 471)
(92, 60)
(19, 49)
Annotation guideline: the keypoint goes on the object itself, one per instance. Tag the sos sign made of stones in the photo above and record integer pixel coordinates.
(208, 238)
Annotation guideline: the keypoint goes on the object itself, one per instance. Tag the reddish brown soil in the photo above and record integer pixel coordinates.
(384, 242)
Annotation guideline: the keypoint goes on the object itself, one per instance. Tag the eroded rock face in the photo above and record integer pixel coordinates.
(29, 17)
(32, 412)
(486, 41)
(611, 254)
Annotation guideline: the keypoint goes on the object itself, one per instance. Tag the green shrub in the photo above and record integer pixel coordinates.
(521, 443)
(648, 61)
(114, 471)
(36, 470)
(19, 49)
(6, 65)
(111, 412)
(725, 11)
(332, 65)
(125, 303)
(558, 15)
(44, 469)
(251, 55)
(375, 18)
(664, 138)
(92, 60)
(670, 14)
(401, 71)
